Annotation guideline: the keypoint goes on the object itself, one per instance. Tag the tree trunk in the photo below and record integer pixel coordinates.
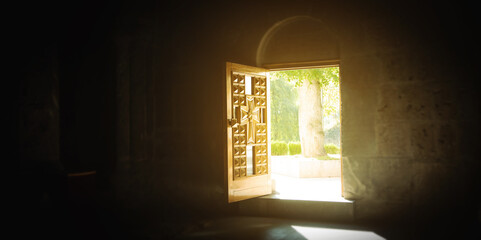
(310, 120)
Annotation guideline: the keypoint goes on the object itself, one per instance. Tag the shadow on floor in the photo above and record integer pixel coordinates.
(272, 228)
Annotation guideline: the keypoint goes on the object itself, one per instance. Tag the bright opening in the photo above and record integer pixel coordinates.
(305, 134)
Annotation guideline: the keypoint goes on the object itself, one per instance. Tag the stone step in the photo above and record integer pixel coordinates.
(326, 211)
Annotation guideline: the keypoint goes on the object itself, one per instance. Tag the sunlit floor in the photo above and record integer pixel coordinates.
(260, 228)
(311, 189)
(310, 232)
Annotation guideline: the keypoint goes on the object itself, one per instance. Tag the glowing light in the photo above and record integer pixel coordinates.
(311, 189)
(248, 86)
(313, 233)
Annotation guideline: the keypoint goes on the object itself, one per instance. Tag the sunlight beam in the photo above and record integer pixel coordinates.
(312, 233)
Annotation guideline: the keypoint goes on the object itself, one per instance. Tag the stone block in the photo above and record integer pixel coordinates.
(361, 71)
(467, 102)
(359, 75)
(383, 36)
(377, 210)
(388, 104)
(393, 68)
(446, 143)
(437, 183)
(404, 102)
(415, 102)
(434, 143)
(358, 140)
(352, 41)
(391, 179)
(422, 142)
(468, 133)
(391, 185)
(392, 139)
(422, 68)
(390, 163)
(444, 102)
(299, 209)
(355, 174)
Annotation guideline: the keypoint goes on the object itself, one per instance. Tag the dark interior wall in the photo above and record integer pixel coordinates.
(64, 52)
(63, 108)
(87, 90)
(140, 95)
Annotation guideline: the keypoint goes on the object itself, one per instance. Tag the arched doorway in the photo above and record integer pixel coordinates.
(302, 42)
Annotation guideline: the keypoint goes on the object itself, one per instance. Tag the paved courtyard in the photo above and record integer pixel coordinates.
(313, 189)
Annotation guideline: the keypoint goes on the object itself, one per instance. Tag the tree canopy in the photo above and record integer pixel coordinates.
(325, 76)
(328, 79)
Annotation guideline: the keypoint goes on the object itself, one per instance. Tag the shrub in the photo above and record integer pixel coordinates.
(294, 148)
(332, 149)
(332, 135)
(278, 148)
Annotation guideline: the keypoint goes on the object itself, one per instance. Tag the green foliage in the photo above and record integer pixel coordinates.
(332, 149)
(331, 100)
(284, 111)
(295, 148)
(279, 148)
(324, 75)
(333, 135)
(328, 79)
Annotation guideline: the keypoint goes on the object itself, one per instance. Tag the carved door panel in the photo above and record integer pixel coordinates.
(248, 162)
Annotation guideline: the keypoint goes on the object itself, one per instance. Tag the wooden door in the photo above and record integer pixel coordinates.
(248, 160)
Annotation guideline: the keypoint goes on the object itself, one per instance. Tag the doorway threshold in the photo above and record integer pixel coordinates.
(307, 189)
(302, 198)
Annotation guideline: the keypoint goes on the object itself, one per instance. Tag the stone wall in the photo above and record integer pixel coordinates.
(407, 102)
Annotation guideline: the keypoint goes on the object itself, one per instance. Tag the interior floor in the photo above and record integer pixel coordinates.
(273, 228)
(290, 229)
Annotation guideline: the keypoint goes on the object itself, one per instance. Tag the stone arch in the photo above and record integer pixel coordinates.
(297, 39)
